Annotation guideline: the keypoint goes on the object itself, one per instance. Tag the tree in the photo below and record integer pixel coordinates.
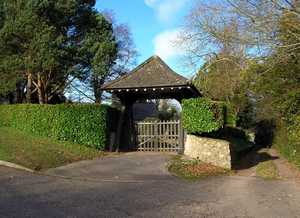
(49, 43)
(124, 60)
(276, 79)
(31, 47)
(261, 21)
(127, 53)
(260, 35)
(220, 71)
(221, 76)
(167, 109)
(249, 26)
(209, 39)
(100, 49)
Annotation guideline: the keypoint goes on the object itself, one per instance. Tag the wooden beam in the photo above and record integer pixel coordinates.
(119, 128)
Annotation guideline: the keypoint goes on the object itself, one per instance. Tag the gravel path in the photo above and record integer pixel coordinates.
(285, 169)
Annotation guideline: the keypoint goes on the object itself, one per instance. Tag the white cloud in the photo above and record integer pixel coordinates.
(150, 3)
(169, 8)
(164, 44)
(166, 9)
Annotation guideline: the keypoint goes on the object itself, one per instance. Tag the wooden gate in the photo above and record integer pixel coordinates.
(163, 136)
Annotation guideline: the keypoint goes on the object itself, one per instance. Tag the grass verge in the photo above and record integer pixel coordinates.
(40, 153)
(267, 170)
(193, 170)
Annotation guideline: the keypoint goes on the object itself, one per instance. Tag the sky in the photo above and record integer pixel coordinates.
(154, 25)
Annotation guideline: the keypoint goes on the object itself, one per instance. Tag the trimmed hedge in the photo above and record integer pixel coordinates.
(200, 115)
(82, 124)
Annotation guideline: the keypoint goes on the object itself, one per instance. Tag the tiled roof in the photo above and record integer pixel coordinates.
(154, 72)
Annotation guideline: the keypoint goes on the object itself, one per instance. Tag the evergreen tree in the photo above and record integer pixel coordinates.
(100, 50)
(47, 42)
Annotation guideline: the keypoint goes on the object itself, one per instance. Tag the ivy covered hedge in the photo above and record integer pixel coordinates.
(83, 124)
(201, 115)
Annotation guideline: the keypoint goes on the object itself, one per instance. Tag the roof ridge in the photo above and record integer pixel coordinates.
(143, 64)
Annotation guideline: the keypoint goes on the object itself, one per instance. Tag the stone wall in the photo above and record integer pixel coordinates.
(214, 151)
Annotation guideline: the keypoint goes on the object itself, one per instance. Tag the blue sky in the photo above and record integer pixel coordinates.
(154, 25)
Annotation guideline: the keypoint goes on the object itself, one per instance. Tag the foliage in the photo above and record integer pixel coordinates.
(230, 115)
(100, 51)
(121, 57)
(82, 124)
(275, 82)
(221, 78)
(264, 132)
(40, 153)
(239, 139)
(287, 140)
(127, 53)
(47, 44)
(29, 45)
(256, 45)
(167, 110)
(276, 98)
(201, 115)
(212, 24)
(246, 117)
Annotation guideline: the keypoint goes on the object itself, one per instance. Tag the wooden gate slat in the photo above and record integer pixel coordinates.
(150, 137)
(147, 139)
(162, 136)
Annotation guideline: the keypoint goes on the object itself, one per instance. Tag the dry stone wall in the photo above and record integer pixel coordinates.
(214, 151)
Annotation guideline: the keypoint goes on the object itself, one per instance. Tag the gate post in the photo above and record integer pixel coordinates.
(181, 138)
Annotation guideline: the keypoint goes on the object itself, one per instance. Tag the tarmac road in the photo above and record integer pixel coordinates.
(138, 185)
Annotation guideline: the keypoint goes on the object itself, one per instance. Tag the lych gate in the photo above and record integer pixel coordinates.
(153, 79)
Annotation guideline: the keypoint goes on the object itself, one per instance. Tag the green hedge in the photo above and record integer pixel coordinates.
(83, 124)
(287, 140)
(202, 115)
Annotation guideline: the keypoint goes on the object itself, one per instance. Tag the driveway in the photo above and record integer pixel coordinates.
(137, 185)
(128, 166)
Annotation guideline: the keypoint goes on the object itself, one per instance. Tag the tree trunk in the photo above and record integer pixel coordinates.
(40, 89)
(28, 88)
(97, 96)
(19, 92)
(97, 83)
(11, 98)
(46, 99)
